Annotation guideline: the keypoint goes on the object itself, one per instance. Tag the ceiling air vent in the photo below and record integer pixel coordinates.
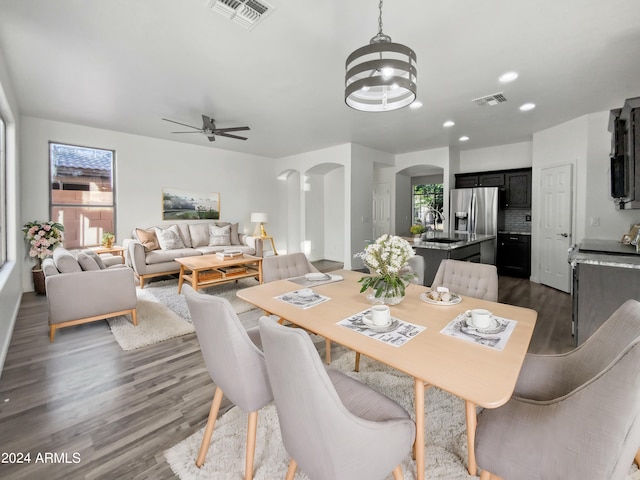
(490, 100)
(247, 13)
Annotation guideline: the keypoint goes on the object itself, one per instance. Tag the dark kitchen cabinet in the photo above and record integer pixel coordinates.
(517, 192)
(514, 255)
(514, 185)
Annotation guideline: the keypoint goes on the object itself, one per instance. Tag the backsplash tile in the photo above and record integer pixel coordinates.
(516, 220)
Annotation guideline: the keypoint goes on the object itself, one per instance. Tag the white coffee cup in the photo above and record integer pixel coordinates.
(305, 292)
(480, 318)
(380, 315)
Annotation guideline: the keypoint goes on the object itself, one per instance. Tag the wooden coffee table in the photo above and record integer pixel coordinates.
(207, 270)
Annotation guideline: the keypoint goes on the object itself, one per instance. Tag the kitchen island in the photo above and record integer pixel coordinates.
(470, 248)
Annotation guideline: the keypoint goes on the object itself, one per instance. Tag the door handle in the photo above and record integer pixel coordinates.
(565, 235)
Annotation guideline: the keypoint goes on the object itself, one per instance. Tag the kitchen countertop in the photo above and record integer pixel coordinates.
(604, 259)
(466, 240)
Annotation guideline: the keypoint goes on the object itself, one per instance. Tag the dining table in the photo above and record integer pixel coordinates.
(481, 375)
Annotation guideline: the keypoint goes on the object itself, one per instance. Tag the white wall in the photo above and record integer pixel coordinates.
(334, 215)
(144, 166)
(11, 271)
(514, 155)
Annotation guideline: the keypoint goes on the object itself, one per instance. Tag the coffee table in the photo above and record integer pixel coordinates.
(207, 270)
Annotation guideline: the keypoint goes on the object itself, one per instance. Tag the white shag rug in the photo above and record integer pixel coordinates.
(156, 323)
(445, 449)
(166, 291)
(163, 312)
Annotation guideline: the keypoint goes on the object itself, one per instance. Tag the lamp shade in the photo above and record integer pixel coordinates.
(257, 217)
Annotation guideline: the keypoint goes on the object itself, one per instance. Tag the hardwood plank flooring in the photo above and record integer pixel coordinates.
(121, 410)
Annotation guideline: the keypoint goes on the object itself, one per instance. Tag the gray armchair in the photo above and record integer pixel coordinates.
(83, 288)
(476, 280)
(574, 415)
(332, 425)
(235, 363)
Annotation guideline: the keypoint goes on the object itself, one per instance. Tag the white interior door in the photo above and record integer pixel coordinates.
(556, 197)
(381, 209)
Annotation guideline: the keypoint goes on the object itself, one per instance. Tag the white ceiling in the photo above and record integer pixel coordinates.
(124, 64)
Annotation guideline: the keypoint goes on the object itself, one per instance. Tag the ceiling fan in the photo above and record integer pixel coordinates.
(210, 130)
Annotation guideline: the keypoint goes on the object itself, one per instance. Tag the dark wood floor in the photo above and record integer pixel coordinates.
(120, 410)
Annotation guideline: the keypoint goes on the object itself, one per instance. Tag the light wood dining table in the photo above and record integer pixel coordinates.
(480, 375)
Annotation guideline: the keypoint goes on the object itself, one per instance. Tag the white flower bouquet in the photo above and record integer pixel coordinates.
(42, 237)
(388, 258)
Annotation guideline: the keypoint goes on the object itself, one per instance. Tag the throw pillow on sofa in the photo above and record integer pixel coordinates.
(199, 234)
(65, 261)
(235, 239)
(148, 239)
(86, 262)
(169, 238)
(96, 257)
(219, 236)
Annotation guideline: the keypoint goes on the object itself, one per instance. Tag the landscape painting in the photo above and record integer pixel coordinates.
(185, 205)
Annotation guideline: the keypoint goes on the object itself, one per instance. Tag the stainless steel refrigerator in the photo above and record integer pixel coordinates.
(474, 211)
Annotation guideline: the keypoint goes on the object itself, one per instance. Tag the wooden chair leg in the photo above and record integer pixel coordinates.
(397, 473)
(328, 353)
(637, 459)
(252, 428)
(134, 317)
(356, 368)
(211, 422)
(291, 471)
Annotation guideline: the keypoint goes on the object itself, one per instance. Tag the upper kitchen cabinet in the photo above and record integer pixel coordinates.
(515, 185)
(518, 189)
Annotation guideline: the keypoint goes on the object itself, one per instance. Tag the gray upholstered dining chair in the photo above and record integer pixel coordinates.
(235, 363)
(279, 267)
(476, 280)
(573, 415)
(417, 266)
(333, 426)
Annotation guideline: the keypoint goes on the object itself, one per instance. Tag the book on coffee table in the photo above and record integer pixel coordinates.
(229, 254)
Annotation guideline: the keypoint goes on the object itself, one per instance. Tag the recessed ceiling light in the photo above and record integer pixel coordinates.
(508, 77)
(416, 104)
(463, 138)
(527, 106)
(448, 123)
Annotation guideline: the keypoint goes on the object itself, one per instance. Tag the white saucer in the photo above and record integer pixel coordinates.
(454, 301)
(304, 292)
(316, 276)
(494, 327)
(392, 325)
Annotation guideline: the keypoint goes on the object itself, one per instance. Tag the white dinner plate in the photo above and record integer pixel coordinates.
(494, 327)
(454, 301)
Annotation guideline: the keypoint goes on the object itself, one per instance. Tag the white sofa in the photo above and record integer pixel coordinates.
(151, 252)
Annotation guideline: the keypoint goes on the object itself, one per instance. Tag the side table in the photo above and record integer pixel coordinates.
(114, 250)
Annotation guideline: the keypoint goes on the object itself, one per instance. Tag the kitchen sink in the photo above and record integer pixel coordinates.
(443, 240)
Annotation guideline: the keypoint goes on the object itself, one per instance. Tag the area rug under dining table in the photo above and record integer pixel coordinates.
(445, 450)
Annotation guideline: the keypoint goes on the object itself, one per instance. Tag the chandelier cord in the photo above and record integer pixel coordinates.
(380, 18)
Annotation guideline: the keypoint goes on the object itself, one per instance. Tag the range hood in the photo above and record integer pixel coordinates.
(624, 125)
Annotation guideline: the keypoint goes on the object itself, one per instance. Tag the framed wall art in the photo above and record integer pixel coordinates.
(186, 205)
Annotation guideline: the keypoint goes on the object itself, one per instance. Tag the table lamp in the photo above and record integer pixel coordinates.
(261, 219)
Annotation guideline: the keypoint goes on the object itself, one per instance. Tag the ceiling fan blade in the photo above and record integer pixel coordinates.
(222, 134)
(232, 129)
(195, 131)
(183, 124)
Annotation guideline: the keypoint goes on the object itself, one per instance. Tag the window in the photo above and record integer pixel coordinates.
(3, 193)
(427, 198)
(82, 192)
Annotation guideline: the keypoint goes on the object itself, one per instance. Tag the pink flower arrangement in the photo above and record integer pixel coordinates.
(42, 237)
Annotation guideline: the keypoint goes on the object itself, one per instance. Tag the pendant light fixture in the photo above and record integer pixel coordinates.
(381, 76)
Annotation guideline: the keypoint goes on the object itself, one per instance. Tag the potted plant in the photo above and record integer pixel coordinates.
(43, 238)
(107, 239)
(417, 230)
(387, 259)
